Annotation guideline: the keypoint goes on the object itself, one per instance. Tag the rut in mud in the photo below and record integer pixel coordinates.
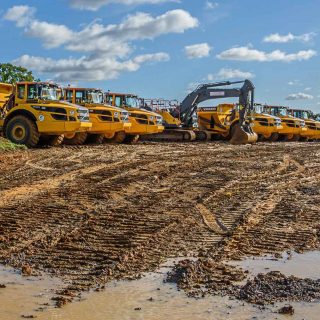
(95, 213)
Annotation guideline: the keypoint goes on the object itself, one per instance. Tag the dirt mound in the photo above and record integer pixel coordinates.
(276, 287)
(204, 276)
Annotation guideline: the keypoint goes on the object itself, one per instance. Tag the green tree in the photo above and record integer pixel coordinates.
(10, 73)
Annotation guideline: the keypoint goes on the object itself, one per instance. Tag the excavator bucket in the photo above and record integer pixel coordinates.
(242, 135)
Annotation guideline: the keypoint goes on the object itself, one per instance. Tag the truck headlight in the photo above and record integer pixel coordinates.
(72, 113)
(159, 120)
(151, 118)
(116, 114)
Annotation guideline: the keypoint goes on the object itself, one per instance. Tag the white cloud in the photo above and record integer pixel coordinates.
(211, 5)
(53, 35)
(299, 96)
(227, 74)
(97, 4)
(106, 49)
(249, 54)
(99, 37)
(277, 38)
(21, 15)
(195, 51)
(308, 89)
(87, 68)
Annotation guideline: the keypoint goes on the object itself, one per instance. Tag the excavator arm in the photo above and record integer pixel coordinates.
(213, 91)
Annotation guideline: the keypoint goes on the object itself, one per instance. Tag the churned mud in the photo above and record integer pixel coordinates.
(89, 215)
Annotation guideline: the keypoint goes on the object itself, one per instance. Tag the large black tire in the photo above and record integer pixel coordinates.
(119, 137)
(131, 139)
(274, 137)
(295, 137)
(95, 138)
(22, 130)
(78, 139)
(304, 139)
(52, 141)
(261, 138)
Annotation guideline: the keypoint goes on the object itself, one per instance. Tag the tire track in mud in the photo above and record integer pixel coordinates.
(115, 211)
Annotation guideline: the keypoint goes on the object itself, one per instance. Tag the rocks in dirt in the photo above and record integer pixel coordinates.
(288, 309)
(26, 270)
(2, 286)
(61, 301)
(274, 286)
(204, 276)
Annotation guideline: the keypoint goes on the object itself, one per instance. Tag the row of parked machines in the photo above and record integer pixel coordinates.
(37, 113)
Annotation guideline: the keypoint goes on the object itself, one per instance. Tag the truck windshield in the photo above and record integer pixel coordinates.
(132, 102)
(48, 92)
(95, 97)
(305, 115)
(279, 111)
(258, 109)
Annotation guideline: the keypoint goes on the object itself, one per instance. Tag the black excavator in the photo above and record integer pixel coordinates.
(181, 121)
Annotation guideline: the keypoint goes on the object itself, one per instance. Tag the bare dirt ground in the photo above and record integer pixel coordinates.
(95, 213)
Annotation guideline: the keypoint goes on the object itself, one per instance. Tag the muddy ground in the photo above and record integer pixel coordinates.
(96, 213)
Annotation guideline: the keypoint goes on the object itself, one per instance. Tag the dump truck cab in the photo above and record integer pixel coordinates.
(292, 127)
(143, 122)
(312, 126)
(31, 112)
(107, 121)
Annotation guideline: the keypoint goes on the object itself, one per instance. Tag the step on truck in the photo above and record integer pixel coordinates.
(32, 114)
(108, 121)
(144, 122)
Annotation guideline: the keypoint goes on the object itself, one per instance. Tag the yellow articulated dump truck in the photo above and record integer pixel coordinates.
(107, 121)
(292, 128)
(143, 122)
(219, 120)
(31, 114)
(312, 126)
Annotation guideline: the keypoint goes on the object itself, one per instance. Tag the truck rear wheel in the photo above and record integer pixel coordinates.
(131, 139)
(95, 138)
(22, 130)
(78, 139)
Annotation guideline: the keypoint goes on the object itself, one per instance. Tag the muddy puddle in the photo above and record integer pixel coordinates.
(22, 296)
(306, 265)
(149, 298)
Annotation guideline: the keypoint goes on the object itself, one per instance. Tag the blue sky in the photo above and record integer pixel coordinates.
(162, 48)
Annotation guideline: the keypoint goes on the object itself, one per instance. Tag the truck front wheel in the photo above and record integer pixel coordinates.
(22, 130)
(77, 140)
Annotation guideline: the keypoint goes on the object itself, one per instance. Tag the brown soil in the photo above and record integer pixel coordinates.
(95, 213)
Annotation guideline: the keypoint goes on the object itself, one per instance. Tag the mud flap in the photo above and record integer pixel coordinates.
(242, 135)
